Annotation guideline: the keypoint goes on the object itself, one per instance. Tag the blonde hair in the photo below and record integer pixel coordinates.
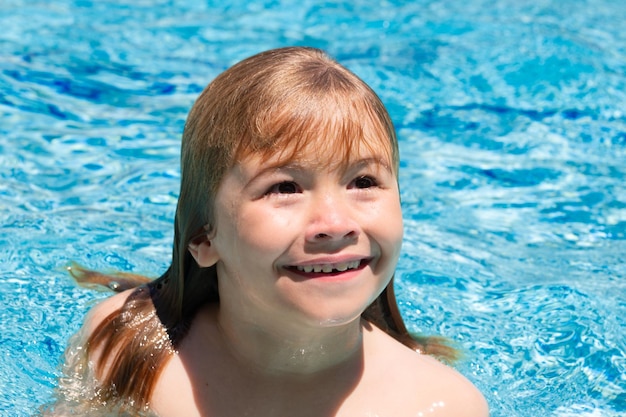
(279, 101)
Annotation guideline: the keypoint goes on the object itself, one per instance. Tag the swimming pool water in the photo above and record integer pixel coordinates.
(512, 126)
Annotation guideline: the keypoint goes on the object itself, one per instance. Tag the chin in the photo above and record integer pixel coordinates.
(334, 318)
(336, 322)
(330, 309)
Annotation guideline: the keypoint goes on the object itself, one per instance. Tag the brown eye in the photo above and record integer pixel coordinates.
(364, 182)
(285, 187)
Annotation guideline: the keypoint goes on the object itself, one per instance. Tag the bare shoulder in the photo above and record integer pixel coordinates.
(77, 392)
(103, 309)
(420, 383)
(450, 390)
(96, 316)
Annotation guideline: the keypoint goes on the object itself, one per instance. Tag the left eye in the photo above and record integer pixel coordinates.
(364, 182)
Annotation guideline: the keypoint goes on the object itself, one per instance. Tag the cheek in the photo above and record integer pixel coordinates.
(263, 230)
(398, 236)
(391, 227)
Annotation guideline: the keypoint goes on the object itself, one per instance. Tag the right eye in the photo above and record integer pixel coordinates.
(284, 187)
(364, 182)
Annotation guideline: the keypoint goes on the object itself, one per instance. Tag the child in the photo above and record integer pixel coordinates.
(279, 300)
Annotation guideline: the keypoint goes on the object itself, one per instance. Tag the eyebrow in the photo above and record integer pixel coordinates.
(299, 166)
(364, 162)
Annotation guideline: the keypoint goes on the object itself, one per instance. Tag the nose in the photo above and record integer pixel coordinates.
(332, 220)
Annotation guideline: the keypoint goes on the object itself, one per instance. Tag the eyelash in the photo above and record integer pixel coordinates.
(361, 183)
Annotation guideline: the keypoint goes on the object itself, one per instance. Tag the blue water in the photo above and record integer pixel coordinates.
(512, 122)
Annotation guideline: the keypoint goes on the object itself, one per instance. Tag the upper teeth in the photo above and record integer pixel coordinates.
(341, 266)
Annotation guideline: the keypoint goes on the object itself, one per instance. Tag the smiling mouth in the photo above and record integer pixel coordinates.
(329, 268)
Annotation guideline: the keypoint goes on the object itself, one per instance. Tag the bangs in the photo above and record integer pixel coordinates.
(335, 129)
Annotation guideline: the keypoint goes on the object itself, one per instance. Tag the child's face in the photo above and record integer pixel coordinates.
(305, 243)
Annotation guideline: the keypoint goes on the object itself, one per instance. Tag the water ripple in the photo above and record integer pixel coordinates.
(513, 140)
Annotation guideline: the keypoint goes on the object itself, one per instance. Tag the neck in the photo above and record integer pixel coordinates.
(285, 349)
